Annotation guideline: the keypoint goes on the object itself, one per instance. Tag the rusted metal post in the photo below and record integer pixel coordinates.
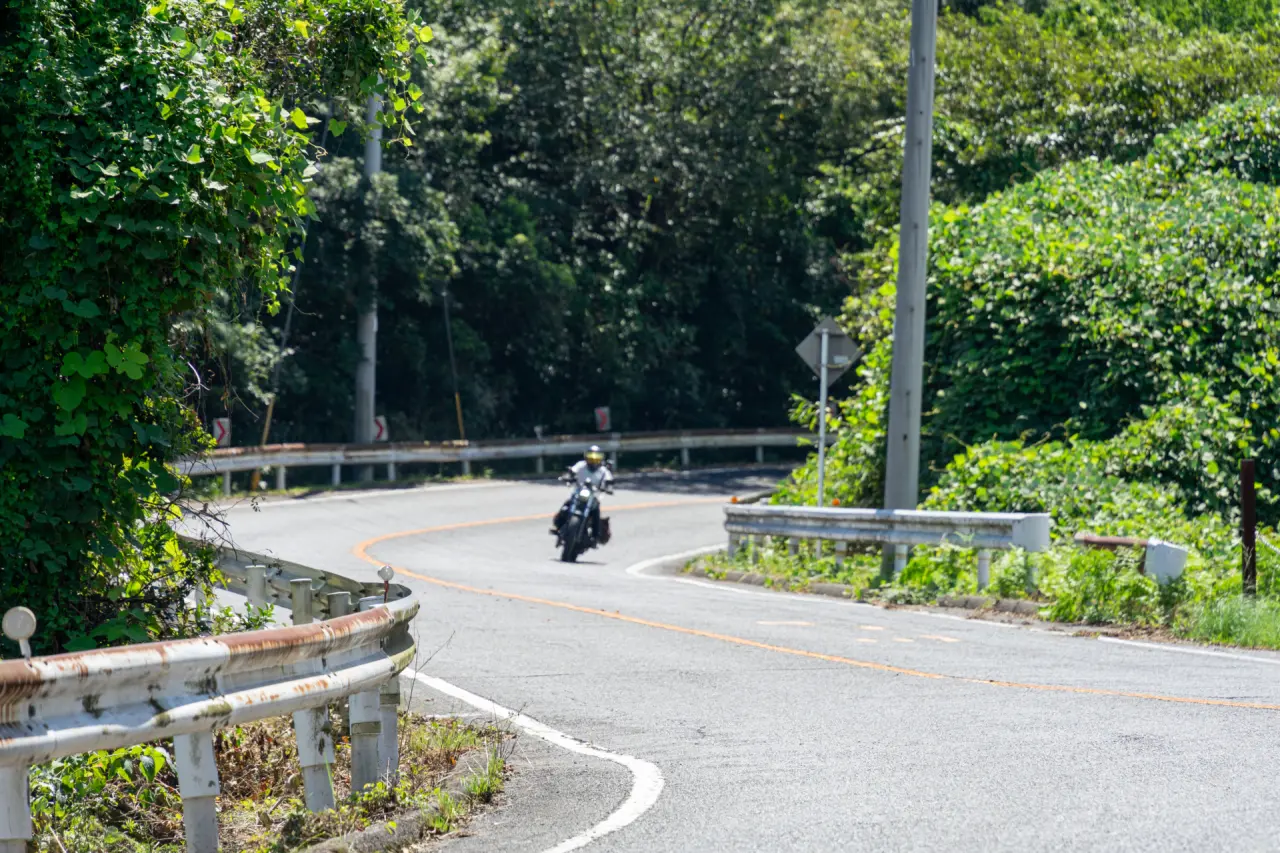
(1248, 527)
(198, 784)
(15, 810)
(366, 730)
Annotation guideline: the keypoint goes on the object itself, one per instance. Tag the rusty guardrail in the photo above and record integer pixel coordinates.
(60, 705)
(281, 457)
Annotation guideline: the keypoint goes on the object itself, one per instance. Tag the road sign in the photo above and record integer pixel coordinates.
(603, 422)
(380, 428)
(842, 352)
(222, 432)
(829, 352)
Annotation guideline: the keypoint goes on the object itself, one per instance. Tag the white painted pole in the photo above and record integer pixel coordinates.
(198, 784)
(906, 388)
(825, 355)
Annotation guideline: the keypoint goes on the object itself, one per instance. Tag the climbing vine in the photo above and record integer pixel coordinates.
(154, 157)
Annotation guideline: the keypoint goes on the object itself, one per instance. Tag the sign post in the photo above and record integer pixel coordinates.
(829, 352)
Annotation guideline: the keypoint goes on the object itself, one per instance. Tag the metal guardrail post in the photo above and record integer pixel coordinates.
(684, 457)
(841, 549)
(280, 478)
(315, 746)
(391, 472)
(339, 604)
(984, 568)
(389, 735)
(793, 546)
(198, 784)
(466, 467)
(336, 474)
(256, 583)
(226, 483)
(899, 559)
(734, 541)
(366, 731)
(15, 810)
(540, 465)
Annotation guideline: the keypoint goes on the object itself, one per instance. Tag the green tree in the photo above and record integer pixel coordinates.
(155, 157)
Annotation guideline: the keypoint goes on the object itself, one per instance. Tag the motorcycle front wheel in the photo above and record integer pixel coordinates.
(569, 553)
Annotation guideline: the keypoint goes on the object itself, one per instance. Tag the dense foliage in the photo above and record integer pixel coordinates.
(154, 158)
(649, 215)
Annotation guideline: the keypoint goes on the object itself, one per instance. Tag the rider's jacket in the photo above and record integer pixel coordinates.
(583, 474)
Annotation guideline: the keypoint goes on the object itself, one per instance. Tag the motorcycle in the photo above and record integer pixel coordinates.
(575, 537)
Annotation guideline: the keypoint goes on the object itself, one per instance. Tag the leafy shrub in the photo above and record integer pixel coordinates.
(154, 155)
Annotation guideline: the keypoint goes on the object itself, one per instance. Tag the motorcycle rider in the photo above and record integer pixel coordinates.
(591, 469)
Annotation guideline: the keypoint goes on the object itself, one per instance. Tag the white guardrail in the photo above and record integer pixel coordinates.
(902, 528)
(60, 705)
(281, 457)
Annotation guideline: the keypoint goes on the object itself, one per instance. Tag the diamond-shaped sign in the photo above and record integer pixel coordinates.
(842, 352)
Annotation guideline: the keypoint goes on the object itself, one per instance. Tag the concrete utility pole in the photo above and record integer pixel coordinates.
(902, 466)
(367, 322)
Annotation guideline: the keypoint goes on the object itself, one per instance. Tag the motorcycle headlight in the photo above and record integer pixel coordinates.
(584, 494)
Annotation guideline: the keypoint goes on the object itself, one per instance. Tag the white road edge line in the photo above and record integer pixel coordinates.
(1184, 650)
(639, 569)
(645, 790)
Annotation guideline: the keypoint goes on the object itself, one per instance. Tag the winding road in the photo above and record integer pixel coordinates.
(722, 718)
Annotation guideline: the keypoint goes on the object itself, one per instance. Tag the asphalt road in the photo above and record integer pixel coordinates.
(786, 722)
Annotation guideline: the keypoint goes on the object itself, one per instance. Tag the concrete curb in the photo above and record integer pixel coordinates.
(1022, 607)
(397, 833)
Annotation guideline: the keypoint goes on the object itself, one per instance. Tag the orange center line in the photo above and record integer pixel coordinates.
(362, 551)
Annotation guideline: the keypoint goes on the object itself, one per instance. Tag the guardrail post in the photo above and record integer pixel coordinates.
(315, 754)
(984, 568)
(391, 472)
(366, 731)
(15, 810)
(198, 784)
(388, 736)
(540, 465)
(755, 544)
(466, 467)
(684, 457)
(733, 545)
(336, 471)
(301, 600)
(226, 482)
(339, 604)
(280, 478)
(793, 546)
(256, 580)
(899, 559)
(841, 548)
